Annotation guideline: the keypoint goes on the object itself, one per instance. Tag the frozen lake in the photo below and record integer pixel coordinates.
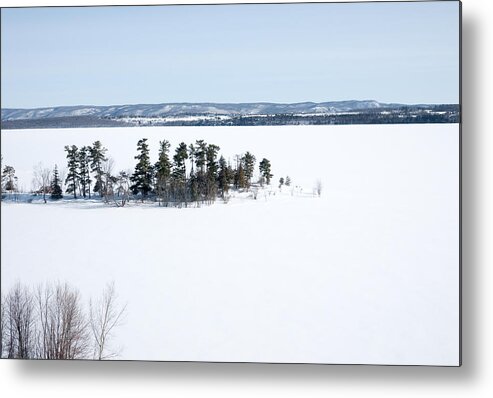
(368, 273)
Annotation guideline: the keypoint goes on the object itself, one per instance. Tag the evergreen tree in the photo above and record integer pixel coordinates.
(84, 172)
(56, 189)
(97, 158)
(191, 156)
(179, 173)
(265, 170)
(8, 179)
(248, 167)
(224, 176)
(288, 181)
(230, 174)
(163, 171)
(72, 180)
(200, 155)
(193, 183)
(142, 176)
(281, 182)
(212, 170)
(240, 179)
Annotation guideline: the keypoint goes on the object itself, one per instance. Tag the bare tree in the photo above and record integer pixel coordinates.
(108, 179)
(63, 325)
(62, 172)
(318, 187)
(2, 325)
(105, 315)
(19, 314)
(50, 323)
(42, 179)
(121, 192)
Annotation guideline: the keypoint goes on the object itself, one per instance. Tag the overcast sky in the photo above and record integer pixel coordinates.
(390, 52)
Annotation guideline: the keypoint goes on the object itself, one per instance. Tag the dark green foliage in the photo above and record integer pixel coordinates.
(265, 170)
(193, 183)
(163, 172)
(240, 180)
(179, 173)
(230, 174)
(225, 177)
(248, 163)
(56, 189)
(212, 172)
(83, 158)
(179, 165)
(72, 180)
(166, 181)
(199, 153)
(97, 158)
(143, 174)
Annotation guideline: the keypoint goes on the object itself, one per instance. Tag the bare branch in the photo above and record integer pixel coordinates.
(3, 324)
(19, 323)
(64, 331)
(105, 315)
(41, 180)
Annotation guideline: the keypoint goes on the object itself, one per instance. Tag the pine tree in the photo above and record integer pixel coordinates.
(248, 167)
(200, 156)
(191, 156)
(212, 170)
(142, 176)
(193, 183)
(281, 182)
(265, 170)
(163, 171)
(240, 179)
(288, 181)
(239, 173)
(224, 177)
(84, 172)
(56, 189)
(230, 174)
(179, 173)
(97, 158)
(72, 180)
(8, 179)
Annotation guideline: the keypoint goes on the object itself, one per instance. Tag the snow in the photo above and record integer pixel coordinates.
(367, 273)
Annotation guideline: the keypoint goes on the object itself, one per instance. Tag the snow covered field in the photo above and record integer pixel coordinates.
(368, 273)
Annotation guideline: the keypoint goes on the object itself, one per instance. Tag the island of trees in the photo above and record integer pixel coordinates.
(190, 175)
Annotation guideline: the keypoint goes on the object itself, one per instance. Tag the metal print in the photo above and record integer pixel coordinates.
(237, 183)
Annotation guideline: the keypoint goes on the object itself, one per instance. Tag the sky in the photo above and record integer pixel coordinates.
(389, 52)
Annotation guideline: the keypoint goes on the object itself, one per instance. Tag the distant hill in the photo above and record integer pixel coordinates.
(258, 113)
(175, 109)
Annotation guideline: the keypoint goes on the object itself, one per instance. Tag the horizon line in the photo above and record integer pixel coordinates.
(232, 103)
